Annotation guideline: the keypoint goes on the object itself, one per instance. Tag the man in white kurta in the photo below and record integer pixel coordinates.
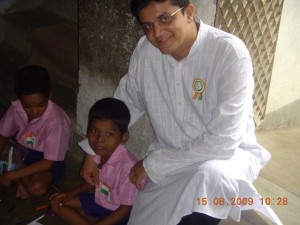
(205, 145)
(205, 154)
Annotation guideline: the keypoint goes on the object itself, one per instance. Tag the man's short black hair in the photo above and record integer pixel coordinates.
(31, 80)
(111, 109)
(137, 5)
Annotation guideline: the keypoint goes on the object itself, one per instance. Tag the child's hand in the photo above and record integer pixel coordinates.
(63, 196)
(56, 195)
(89, 171)
(5, 180)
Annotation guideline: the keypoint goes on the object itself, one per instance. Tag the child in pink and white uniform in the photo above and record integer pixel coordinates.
(111, 201)
(39, 125)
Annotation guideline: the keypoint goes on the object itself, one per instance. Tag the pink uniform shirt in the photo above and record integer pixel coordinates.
(115, 188)
(49, 133)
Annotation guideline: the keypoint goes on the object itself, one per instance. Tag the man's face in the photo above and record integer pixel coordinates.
(173, 37)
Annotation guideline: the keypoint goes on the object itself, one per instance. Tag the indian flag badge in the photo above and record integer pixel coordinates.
(30, 140)
(198, 88)
(105, 189)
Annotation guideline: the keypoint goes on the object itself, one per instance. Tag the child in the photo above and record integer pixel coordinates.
(112, 200)
(42, 127)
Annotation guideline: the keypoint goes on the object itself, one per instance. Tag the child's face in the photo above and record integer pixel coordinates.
(104, 137)
(34, 105)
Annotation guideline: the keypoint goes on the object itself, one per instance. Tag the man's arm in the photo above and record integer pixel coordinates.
(138, 175)
(224, 131)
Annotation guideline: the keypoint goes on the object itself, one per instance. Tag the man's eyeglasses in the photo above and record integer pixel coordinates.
(163, 19)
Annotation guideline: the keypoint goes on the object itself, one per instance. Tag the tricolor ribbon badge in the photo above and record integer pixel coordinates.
(30, 140)
(105, 189)
(198, 88)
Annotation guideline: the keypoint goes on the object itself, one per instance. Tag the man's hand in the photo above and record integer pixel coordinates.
(89, 170)
(138, 175)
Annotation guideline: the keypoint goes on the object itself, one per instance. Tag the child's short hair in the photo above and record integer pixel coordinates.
(31, 80)
(112, 109)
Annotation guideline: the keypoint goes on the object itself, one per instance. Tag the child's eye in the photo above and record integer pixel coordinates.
(94, 131)
(42, 105)
(109, 134)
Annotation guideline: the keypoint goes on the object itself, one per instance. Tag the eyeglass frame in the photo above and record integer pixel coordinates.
(159, 21)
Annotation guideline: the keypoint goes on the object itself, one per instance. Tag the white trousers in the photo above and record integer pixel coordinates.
(218, 188)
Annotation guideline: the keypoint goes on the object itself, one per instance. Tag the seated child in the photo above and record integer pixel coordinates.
(39, 125)
(111, 201)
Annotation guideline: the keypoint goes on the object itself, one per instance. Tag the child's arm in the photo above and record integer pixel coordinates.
(122, 212)
(37, 167)
(3, 142)
(67, 195)
(66, 205)
(89, 170)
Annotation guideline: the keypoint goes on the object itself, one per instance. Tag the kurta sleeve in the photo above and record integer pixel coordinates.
(129, 92)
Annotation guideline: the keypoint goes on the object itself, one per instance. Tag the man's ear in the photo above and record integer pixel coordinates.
(125, 138)
(190, 11)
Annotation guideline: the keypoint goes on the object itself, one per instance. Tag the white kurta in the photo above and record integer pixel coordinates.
(201, 112)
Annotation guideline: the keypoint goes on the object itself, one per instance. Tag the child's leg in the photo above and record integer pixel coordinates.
(92, 211)
(39, 183)
(35, 185)
(70, 211)
(21, 191)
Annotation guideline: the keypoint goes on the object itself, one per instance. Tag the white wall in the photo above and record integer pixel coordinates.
(283, 106)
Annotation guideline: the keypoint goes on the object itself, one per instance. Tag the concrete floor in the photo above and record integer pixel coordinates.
(280, 179)
(285, 187)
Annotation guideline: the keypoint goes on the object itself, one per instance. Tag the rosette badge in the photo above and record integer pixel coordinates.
(198, 88)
